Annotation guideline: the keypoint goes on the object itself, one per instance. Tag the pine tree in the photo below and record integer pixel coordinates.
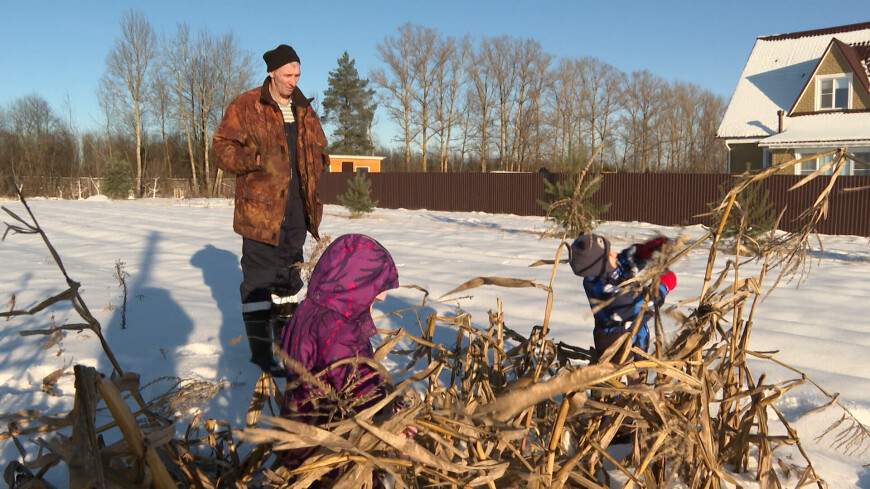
(569, 207)
(752, 217)
(358, 198)
(348, 104)
(117, 183)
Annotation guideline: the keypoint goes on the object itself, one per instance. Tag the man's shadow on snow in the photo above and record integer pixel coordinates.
(864, 479)
(222, 274)
(147, 337)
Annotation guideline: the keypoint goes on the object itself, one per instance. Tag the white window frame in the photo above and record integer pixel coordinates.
(810, 166)
(864, 155)
(844, 77)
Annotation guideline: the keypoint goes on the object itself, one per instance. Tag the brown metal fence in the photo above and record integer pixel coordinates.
(658, 198)
(664, 199)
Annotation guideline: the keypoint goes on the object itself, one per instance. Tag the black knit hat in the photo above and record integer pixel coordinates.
(279, 57)
(590, 255)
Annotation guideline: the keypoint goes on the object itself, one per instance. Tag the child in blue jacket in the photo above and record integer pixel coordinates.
(605, 273)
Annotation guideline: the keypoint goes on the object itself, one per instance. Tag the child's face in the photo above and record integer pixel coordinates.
(378, 298)
(612, 258)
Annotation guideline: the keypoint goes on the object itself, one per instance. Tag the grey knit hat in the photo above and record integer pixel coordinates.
(590, 256)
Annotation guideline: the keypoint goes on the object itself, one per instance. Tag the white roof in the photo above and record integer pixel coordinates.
(356, 157)
(775, 73)
(842, 129)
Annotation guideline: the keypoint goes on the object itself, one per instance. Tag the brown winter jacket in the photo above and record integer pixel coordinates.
(253, 125)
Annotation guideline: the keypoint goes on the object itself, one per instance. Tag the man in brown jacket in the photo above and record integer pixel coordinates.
(271, 139)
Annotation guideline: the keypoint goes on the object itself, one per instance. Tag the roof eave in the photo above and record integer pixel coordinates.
(814, 143)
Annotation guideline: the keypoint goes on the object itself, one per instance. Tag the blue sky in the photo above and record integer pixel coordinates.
(57, 48)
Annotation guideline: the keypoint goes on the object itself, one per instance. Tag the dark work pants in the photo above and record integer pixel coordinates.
(268, 269)
(603, 341)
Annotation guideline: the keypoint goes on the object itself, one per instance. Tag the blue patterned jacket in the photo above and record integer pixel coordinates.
(627, 300)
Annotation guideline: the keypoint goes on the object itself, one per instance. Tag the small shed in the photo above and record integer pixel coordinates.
(353, 163)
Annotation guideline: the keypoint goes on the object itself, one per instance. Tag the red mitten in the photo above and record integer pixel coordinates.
(645, 250)
(669, 280)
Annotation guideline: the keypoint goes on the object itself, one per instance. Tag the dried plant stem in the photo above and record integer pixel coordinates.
(74, 297)
(128, 426)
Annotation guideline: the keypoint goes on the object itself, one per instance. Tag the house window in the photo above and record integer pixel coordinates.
(810, 166)
(362, 169)
(849, 167)
(858, 168)
(833, 92)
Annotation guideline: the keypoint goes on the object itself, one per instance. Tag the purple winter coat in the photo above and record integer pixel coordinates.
(334, 322)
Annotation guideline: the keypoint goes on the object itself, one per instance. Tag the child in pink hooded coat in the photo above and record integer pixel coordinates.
(332, 323)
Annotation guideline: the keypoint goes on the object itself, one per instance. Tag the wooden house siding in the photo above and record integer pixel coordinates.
(834, 63)
(860, 99)
(778, 156)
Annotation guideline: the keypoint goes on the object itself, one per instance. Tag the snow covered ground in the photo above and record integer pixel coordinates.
(183, 315)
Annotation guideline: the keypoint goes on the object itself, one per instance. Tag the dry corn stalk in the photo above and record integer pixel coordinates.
(500, 409)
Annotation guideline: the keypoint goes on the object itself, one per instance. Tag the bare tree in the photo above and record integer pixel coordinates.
(499, 56)
(609, 104)
(514, 104)
(534, 131)
(603, 100)
(70, 127)
(450, 81)
(6, 141)
(708, 153)
(483, 92)
(107, 100)
(204, 73)
(466, 133)
(564, 106)
(530, 68)
(234, 70)
(642, 102)
(40, 146)
(177, 65)
(397, 84)
(32, 122)
(427, 63)
(127, 64)
(203, 77)
(162, 102)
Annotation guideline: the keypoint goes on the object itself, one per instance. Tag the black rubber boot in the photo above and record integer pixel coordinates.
(281, 315)
(260, 342)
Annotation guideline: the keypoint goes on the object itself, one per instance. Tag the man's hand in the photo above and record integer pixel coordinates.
(252, 144)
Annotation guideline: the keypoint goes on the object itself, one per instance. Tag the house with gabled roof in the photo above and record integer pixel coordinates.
(802, 94)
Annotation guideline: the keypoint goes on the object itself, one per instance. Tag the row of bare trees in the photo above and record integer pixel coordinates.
(504, 104)
(170, 87)
(34, 140)
(161, 97)
(497, 103)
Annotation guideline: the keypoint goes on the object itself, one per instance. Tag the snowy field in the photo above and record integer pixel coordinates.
(183, 314)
